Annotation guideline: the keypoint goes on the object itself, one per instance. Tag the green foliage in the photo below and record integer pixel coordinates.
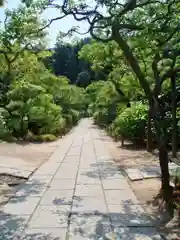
(66, 62)
(131, 123)
(1, 3)
(4, 132)
(36, 104)
(46, 116)
(175, 177)
(83, 79)
(103, 99)
(43, 138)
(46, 108)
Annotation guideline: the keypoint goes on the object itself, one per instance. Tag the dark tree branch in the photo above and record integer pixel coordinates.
(156, 73)
(132, 60)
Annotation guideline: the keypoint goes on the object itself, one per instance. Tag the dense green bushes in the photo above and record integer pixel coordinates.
(110, 111)
(103, 100)
(131, 123)
(4, 132)
(39, 106)
(35, 104)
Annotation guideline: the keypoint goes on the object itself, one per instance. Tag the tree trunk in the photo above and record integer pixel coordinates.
(166, 189)
(174, 120)
(149, 131)
(158, 116)
(157, 111)
(163, 161)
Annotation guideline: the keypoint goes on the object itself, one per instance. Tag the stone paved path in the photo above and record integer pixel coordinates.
(78, 194)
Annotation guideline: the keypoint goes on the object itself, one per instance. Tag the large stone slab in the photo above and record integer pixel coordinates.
(74, 151)
(16, 167)
(88, 226)
(128, 215)
(58, 156)
(150, 172)
(71, 159)
(45, 179)
(89, 191)
(60, 152)
(88, 164)
(77, 141)
(63, 183)
(65, 173)
(21, 205)
(109, 184)
(120, 197)
(69, 166)
(19, 167)
(138, 233)
(87, 176)
(48, 168)
(45, 234)
(134, 174)
(57, 197)
(91, 205)
(50, 217)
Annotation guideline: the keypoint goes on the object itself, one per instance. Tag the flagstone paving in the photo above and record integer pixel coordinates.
(78, 194)
(141, 173)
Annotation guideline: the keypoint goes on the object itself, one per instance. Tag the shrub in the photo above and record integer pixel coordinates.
(100, 116)
(167, 123)
(131, 123)
(105, 115)
(175, 177)
(43, 138)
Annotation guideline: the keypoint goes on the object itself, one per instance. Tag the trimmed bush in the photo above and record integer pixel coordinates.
(43, 138)
(131, 123)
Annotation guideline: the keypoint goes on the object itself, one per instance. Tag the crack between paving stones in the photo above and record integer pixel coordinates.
(70, 212)
(111, 226)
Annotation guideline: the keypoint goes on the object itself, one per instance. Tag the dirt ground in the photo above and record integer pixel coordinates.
(147, 189)
(34, 153)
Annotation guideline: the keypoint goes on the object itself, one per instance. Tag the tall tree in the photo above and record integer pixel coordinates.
(21, 32)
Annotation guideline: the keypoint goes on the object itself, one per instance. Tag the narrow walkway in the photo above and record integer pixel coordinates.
(78, 194)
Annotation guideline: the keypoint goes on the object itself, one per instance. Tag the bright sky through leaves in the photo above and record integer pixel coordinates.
(62, 25)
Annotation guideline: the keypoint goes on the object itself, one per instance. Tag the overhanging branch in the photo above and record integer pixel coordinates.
(132, 60)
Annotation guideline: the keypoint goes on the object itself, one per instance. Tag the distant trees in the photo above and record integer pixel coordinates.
(35, 104)
(65, 61)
